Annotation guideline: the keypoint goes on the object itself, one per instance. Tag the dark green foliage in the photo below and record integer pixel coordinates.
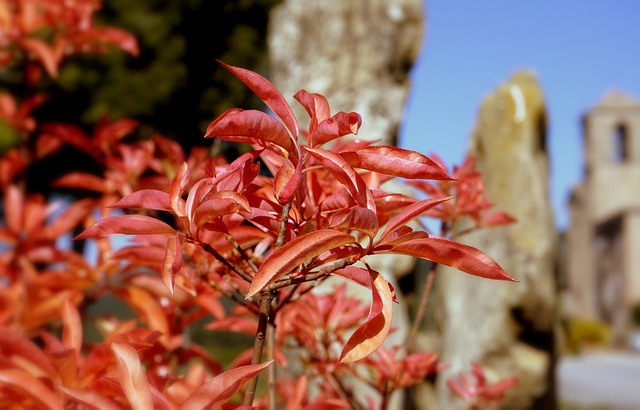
(175, 86)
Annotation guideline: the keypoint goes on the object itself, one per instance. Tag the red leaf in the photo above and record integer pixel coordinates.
(90, 398)
(394, 161)
(316, 105)
(43, 52)
(221, 388)
(410, 212)
(72, 328)
(82, 180)
(339, 125)
(132, 377)
(251, 127)
(457, 255)
(126, 225)
(295, 253)
(268, 93)
(356, 218)
(146, 199)
(347, 176)
(70, 218)
(287, 181)
(110, 35)
(25, 382)
(177, 186)
(212, 209)
(172, 262)
(370, 335)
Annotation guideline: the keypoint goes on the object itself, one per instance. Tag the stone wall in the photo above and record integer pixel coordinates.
(507, 327)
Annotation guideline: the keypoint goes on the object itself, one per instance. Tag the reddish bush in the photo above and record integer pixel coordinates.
(261, 231)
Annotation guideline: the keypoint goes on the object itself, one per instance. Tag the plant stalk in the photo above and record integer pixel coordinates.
(258, 346)
(422, 308)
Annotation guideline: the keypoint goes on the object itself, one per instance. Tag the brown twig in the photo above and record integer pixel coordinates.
(422, 308)
(209, 249)
(241, 252)
(284, 217)
(258, 346)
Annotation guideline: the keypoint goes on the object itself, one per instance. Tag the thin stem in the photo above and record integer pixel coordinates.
(342, 391)
(258, 347)
(422, 308)
(208, 248)
(284, 217)
(242, 252)
(271, 371)
(326, 271)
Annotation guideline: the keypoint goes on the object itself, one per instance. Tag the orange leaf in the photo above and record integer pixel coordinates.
(90, 398)
(132, 377)
(172, 262)
(397, 162)
(294, 254)
(370, 335)
(126, 225)
(457, 255)
(411, 212)
(22, 381)
(268, 93)
(72, 328)
(221, 388)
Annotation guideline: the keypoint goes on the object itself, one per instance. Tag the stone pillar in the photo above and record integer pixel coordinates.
(357, 53)
(507, 327)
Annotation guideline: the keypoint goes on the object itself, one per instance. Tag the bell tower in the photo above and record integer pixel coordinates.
(603, 240)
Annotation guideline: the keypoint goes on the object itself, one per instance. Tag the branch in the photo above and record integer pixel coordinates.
(422, 308)
(263, 320)
(209, 249)
(242, 252)
(284, 217)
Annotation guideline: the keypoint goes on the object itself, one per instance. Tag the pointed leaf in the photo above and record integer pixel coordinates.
(82, 180)
(25, 382)
(132, 377)
(316, 105)
(287, 181)
(146, 199)
(43, 52)
(177, 187)
(337, 126)
(295, 253)
(92, 399)
(344, 173)
(394, 161)
(221, 388)
(251, 127)
(457, 255)
(268, 93)
(370, 335)
(172, 262)
(214, 208)
(126, 225)
(72, 328)
(356, 218)
(411, 212)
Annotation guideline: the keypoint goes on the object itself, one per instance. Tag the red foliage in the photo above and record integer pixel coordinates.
(262, 231)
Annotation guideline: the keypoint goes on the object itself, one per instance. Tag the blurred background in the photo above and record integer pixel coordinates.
(544, 93)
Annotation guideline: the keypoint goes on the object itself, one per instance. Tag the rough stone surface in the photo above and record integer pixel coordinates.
(357, 53)
(507, 327)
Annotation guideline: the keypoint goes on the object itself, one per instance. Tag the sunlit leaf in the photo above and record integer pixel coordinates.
(370, 335)
(221, 388)
(251, 127)
(132, 377)
(146, 199)
(409, 213)
(395, 161)
(356, 218)
(287, 181)
(126, 225)
(295, 253)
(72, 328)
(347, 176)
(43, 52)
(90, 398)
(268, 93)
(339, 125)
(457, 255)
(316, 105)
(172, 262)
(24, 382)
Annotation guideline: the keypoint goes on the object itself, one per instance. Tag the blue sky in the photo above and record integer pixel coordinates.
(578, 49)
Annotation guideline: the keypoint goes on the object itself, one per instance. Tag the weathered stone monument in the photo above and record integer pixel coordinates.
(602, 267)
(507, 327)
